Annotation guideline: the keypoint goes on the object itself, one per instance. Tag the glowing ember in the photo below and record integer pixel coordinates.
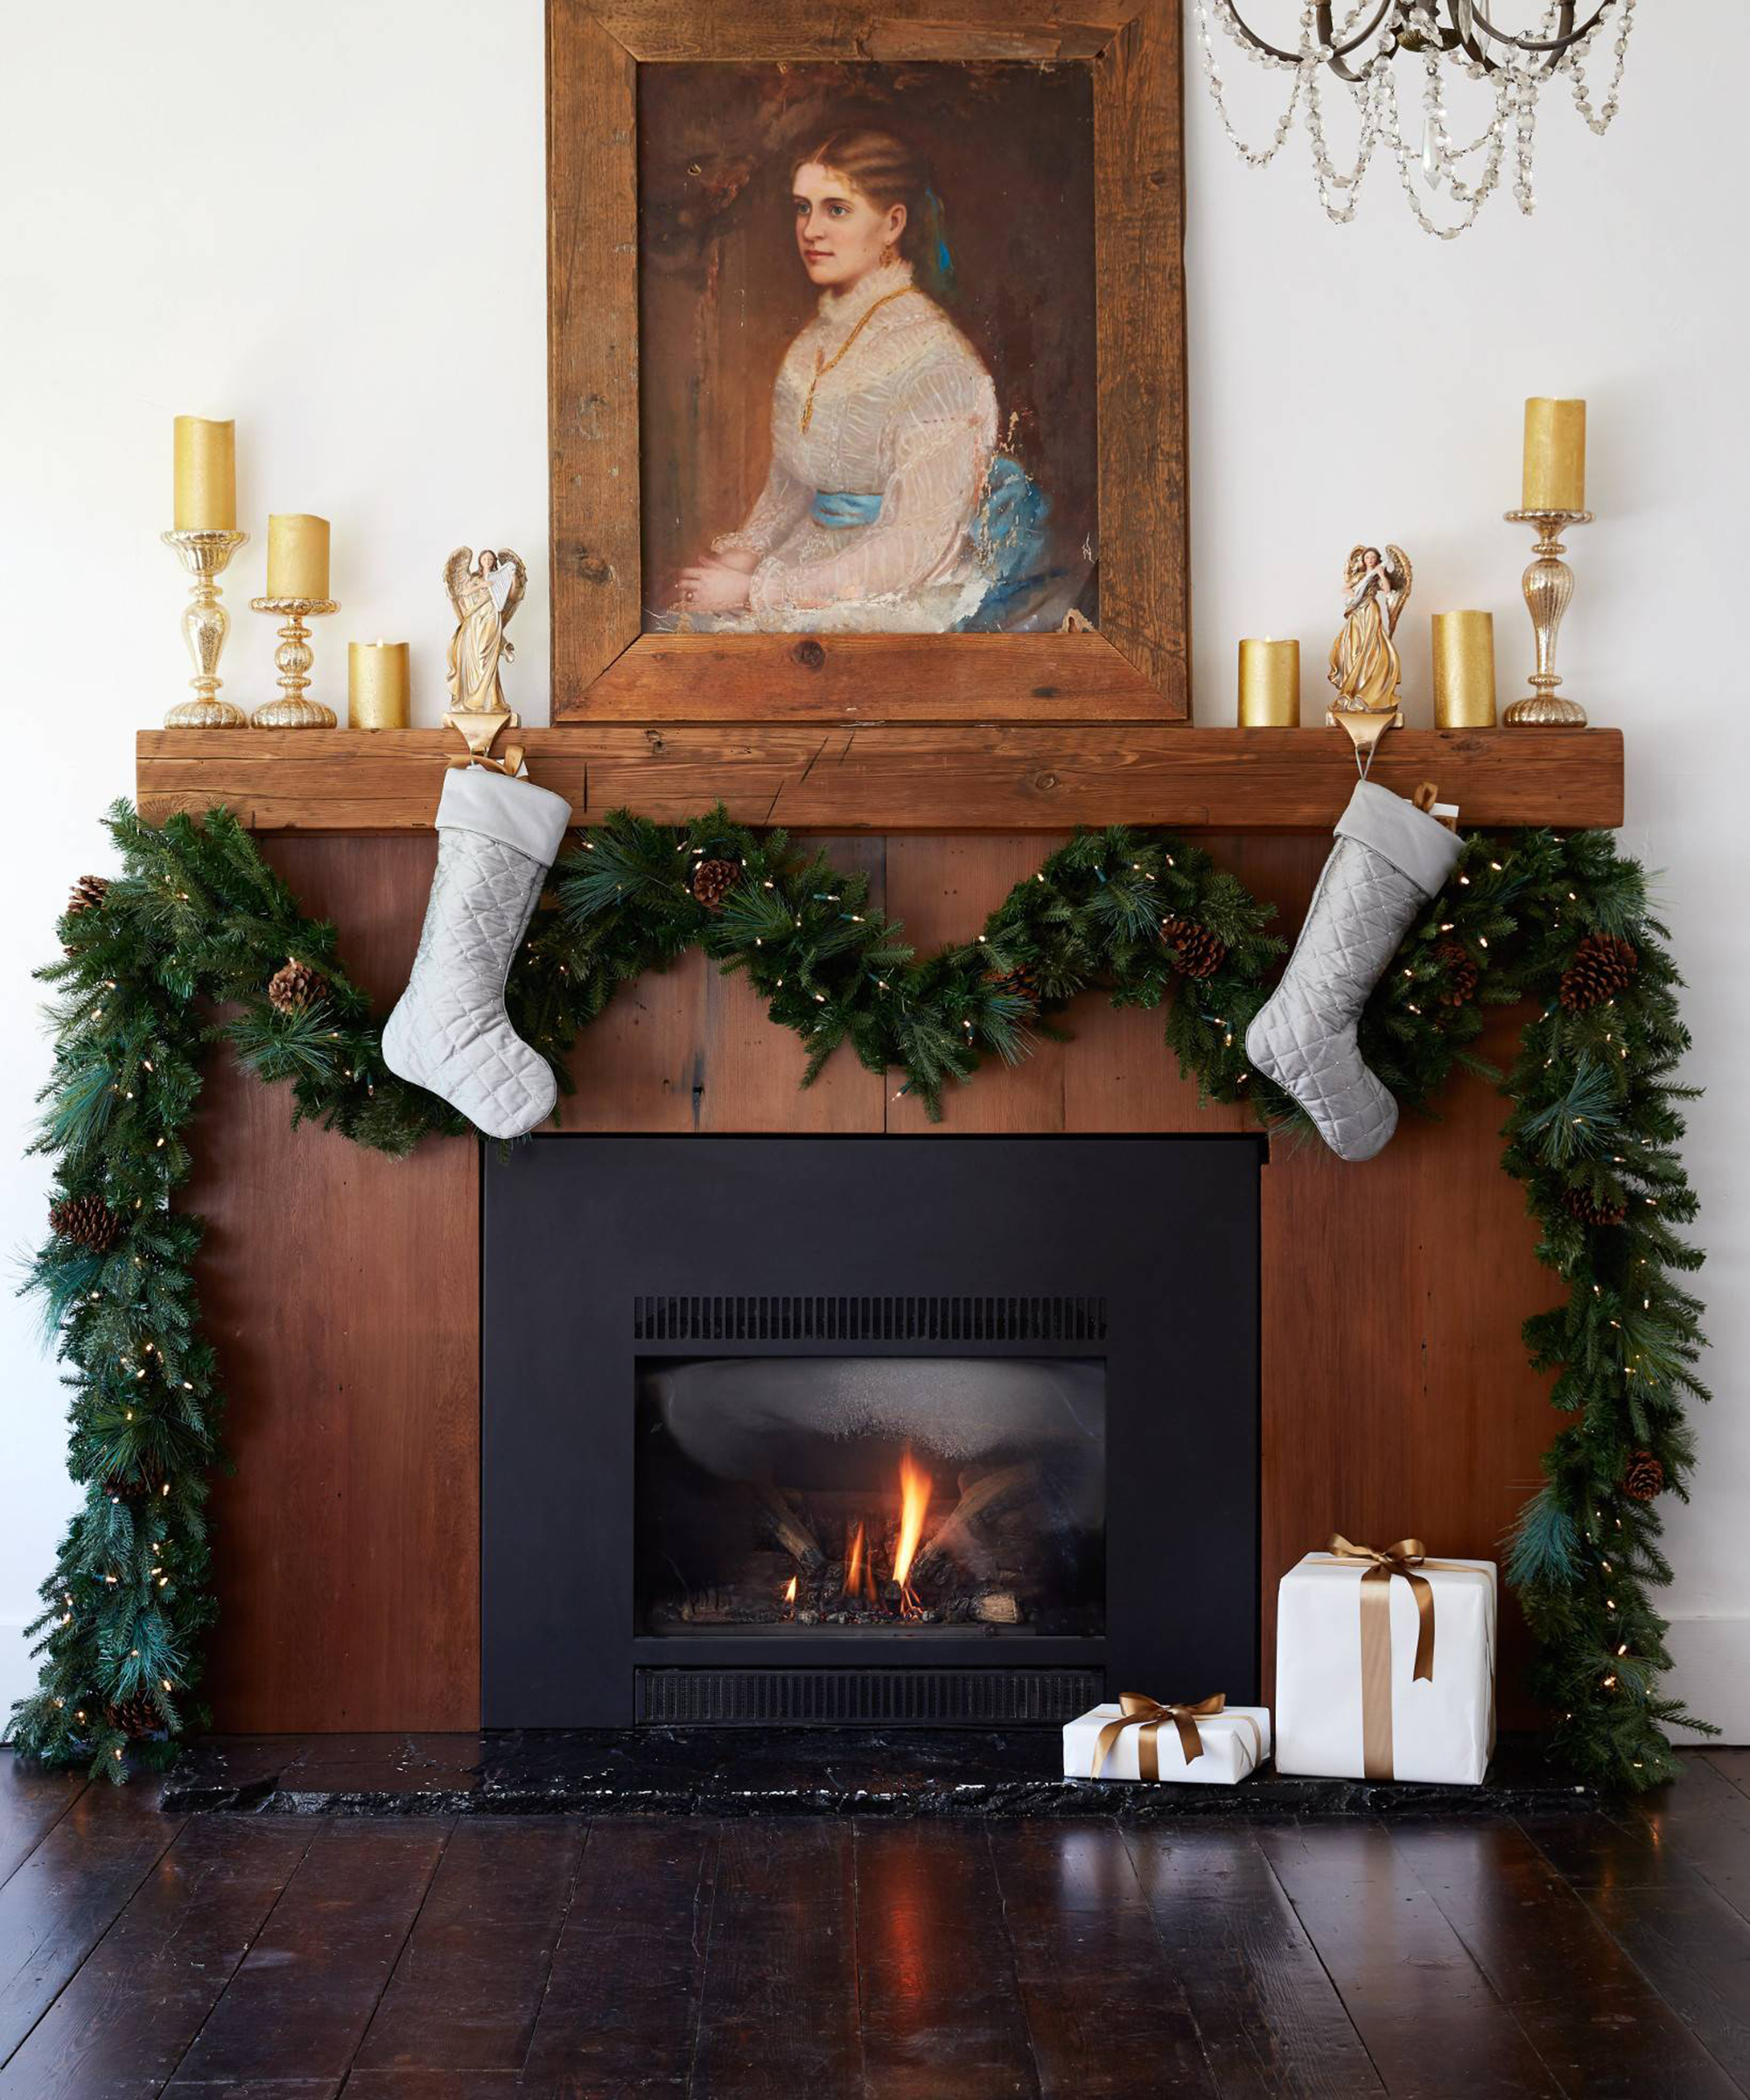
(914, 1495)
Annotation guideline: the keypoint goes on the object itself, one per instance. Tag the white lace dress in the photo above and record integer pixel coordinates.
(907, 421)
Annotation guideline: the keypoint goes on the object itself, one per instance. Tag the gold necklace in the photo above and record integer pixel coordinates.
(822, 368)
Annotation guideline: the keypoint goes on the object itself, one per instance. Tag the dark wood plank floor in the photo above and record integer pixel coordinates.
(236, 1957)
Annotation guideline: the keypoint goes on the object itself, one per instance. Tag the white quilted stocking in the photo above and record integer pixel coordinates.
(450, 1032)
(1389, 860)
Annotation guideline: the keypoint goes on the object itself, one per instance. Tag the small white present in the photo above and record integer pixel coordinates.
(1385, 1665)
(1207, 1744)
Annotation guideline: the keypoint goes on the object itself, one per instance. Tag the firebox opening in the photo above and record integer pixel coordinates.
(896, 1496)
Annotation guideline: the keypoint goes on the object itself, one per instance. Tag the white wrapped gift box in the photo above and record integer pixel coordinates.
(1347, 1709)
(1236, 1741)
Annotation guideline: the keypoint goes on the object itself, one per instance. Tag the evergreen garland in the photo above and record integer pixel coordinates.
(197, 922)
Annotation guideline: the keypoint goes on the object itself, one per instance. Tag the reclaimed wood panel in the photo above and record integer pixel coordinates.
(860, 678)
(895, 777)
(341, 1291)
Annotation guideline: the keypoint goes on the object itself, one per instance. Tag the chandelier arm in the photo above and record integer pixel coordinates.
(1338, 51)
(1566, 37)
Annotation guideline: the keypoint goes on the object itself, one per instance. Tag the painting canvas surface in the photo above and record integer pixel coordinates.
(908, 450)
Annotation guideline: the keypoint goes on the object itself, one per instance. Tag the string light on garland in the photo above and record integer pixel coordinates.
(1588, 1130)
(1441, 41)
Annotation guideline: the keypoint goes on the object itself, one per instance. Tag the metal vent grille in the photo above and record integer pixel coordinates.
(917, 1698)
(786, 1319)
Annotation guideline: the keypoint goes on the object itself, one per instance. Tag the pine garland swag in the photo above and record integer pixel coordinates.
(197, 915)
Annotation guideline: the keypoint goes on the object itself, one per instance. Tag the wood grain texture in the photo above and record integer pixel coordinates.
(341, 1290)
(305, 1991)
(794, 30)
(815, 679)
(895, 777)
(595, 563)
(1145, 517)
(593, 50)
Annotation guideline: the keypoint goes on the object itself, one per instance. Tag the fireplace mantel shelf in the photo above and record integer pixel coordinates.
(895, 777)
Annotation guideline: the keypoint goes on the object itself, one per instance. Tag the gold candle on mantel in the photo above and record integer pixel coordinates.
(1269, 684)
(206, 475)
(1555, 455)
(298, 556)
(1464, 670)
(377, 685)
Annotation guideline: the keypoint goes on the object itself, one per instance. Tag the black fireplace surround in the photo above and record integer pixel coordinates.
(907, 1431)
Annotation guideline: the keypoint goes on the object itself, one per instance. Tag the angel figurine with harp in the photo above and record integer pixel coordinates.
(485, 594)
(1365, 666)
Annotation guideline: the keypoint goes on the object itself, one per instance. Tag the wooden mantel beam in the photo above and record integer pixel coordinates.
(894, 777)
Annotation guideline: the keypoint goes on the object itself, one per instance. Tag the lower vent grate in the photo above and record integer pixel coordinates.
(916, 1698)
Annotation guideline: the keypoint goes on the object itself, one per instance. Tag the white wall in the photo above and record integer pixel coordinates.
(331, 226)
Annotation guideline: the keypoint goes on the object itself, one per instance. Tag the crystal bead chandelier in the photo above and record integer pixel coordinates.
(1442, 37)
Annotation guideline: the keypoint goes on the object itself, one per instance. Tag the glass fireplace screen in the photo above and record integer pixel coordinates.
(895, 1495)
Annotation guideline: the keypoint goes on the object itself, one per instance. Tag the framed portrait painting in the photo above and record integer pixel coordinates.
(866, 363)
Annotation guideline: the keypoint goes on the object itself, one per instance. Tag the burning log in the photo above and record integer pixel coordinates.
(957, 1538)
(787, 1529)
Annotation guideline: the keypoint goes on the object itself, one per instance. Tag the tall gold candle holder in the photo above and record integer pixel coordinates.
(1549, 586)
(294, 657)
(204, 625)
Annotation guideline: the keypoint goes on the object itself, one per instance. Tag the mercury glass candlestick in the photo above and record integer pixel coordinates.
(204, 625)
(1549, 586)
(294, 657)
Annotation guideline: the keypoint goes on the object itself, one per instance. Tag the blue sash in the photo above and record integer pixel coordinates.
(1009, 535)
(843, 507)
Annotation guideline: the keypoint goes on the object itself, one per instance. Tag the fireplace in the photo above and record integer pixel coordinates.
(874, 1430)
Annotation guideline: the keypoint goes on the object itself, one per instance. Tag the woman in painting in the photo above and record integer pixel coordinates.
(1365, 666)
(887, 507)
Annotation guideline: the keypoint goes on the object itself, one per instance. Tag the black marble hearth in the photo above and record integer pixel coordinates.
(827, 1772)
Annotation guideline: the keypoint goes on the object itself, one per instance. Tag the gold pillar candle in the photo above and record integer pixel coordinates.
(1555, 455)
(1464, 670)
(298, 556)
(206, 475)
(1269, 684)
(377, 685)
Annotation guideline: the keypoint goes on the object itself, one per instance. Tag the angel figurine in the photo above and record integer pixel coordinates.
(1365, 666)
(485, 594)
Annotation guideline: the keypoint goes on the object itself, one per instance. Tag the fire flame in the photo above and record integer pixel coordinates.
(790, 1592)
(914, 1496)
(853, 1562)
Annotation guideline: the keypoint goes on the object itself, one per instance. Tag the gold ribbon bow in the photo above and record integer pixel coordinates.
(1140, 1711)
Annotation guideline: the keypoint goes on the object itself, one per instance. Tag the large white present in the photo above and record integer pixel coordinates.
(1385, 1665)
(1145, 1740)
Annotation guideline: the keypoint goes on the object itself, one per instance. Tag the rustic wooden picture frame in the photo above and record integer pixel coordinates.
(605, 667)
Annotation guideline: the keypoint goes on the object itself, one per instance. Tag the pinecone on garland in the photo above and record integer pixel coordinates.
(87, 1221)
(294, 986)
(713, 878)
(1594, 1210)
(88, 894)
(1601, 966)
(134, 1717)
(1462, 974)
(1196, 951)
(1020, 983)
(1644, 1478)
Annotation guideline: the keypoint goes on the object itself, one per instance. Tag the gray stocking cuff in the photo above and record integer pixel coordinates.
(1416, 845)
(517, 813)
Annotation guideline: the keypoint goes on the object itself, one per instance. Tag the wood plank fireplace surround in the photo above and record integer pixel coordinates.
(344, 1291)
